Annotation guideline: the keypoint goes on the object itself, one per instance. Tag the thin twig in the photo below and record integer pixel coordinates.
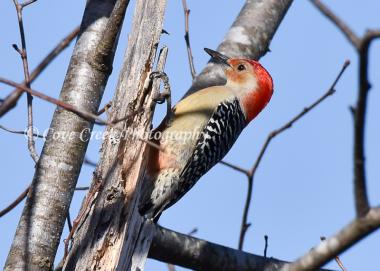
(89, 162)
(24, 57)
(69, 224)
(82, 188)
(266, 245)
(23, 195)
(235, 167)
(11, 206)
(337, 259)
(11, 100)
(244, 221)
(105, 108)
(330, 91)
(19, 132)
(193, 231)
(186, 12)
(26, 3)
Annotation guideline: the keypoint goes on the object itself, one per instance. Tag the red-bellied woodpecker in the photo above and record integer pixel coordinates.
(200, 131)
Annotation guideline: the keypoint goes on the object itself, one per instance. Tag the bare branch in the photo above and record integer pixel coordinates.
(266, 245)
(89, 162)
(11, 100)
(82, 188)
(24, 58)
(335, 245)
(235, 167)
(69, 224)
(19, 132)
(27, 3)
(244, 221)
(11, 206)
(23, 195)
(361, 197)
(106, 107)
(186, 12)
(197, 254)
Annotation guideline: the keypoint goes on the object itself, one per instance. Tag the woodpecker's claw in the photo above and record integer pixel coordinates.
(166, 94)
(161, 97)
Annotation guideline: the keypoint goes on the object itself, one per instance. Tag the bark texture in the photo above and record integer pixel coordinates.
(249, 37)
(107, 236)
(40, 226)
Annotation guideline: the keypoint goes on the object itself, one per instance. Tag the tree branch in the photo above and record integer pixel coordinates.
(11, 206)
(193, 253)
(186, 12)
(361, 197)
(24, 58)
(19, 132)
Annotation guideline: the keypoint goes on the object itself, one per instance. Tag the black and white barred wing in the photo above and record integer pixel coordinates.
(216, 139)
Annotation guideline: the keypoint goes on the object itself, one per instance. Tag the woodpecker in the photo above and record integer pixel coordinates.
(200, 131)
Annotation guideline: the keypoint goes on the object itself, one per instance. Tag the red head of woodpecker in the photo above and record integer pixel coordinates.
(249, 80)
(201, 130)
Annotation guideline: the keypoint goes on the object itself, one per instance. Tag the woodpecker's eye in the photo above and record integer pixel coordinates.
(241, 67)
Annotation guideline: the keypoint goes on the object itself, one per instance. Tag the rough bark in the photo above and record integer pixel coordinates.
(40, 226)
(249, 36)
(107, 236)
(190, 252)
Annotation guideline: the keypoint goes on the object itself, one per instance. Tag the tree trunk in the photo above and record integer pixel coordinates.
(42, 220)
(107, 236)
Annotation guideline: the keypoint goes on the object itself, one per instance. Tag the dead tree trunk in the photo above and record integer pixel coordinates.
(107, 236)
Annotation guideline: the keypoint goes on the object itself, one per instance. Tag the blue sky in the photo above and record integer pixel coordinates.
(303, 187)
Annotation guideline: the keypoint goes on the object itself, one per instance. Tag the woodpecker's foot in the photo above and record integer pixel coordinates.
(160, 98)
(166, 94)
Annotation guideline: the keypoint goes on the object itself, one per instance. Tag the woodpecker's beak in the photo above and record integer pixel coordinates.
(218, 57)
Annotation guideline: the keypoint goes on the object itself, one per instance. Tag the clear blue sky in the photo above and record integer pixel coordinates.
(303, 188)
